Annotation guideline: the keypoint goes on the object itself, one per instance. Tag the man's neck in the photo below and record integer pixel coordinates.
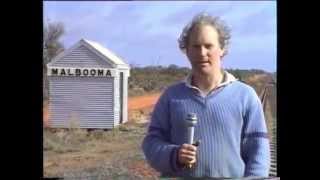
(207, 82)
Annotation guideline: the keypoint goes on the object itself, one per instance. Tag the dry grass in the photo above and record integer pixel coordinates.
(80, 154)
(140, 115)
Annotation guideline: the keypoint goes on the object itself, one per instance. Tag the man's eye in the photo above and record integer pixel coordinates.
(209, 46)
(196, 46)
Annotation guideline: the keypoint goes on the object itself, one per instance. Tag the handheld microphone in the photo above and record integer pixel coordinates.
(191, 121)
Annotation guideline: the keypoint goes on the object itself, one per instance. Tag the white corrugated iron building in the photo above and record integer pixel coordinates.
(88, 88)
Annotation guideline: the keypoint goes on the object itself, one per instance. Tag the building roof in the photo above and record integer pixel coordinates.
(97, 48)
(105, 52)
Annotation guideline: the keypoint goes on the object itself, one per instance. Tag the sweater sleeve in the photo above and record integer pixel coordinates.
(255, 143)
(159, 152)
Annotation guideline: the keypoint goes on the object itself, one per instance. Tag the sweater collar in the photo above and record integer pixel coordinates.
(227, 79)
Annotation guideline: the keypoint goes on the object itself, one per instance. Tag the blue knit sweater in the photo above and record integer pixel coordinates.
(231, 127)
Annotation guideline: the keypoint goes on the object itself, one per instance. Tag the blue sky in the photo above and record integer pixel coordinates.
(146, 33)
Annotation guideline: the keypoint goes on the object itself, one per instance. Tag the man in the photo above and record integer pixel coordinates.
(231, 124)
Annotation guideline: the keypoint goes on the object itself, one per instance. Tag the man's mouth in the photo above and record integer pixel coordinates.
(203, 62)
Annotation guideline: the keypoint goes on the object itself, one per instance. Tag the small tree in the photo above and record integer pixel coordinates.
(51, 47)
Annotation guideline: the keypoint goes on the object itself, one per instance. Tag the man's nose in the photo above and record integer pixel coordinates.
(202, 51)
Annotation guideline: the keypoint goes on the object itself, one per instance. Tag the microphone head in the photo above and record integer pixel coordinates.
(191, 119)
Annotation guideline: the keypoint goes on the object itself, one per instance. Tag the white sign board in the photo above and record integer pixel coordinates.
(81, 72)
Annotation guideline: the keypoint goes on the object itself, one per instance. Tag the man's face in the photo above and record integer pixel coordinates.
(203, 50)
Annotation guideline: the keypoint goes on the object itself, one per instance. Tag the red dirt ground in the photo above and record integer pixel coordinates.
(141, 102)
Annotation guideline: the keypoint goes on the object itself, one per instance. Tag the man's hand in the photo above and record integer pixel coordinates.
(187, 154)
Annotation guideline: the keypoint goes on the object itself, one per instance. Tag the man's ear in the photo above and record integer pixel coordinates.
(184, 51)
(222, 51)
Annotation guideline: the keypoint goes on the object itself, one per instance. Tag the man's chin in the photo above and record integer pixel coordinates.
(205, 70)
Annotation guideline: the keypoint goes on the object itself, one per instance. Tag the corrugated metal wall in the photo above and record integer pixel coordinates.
(86, 102)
